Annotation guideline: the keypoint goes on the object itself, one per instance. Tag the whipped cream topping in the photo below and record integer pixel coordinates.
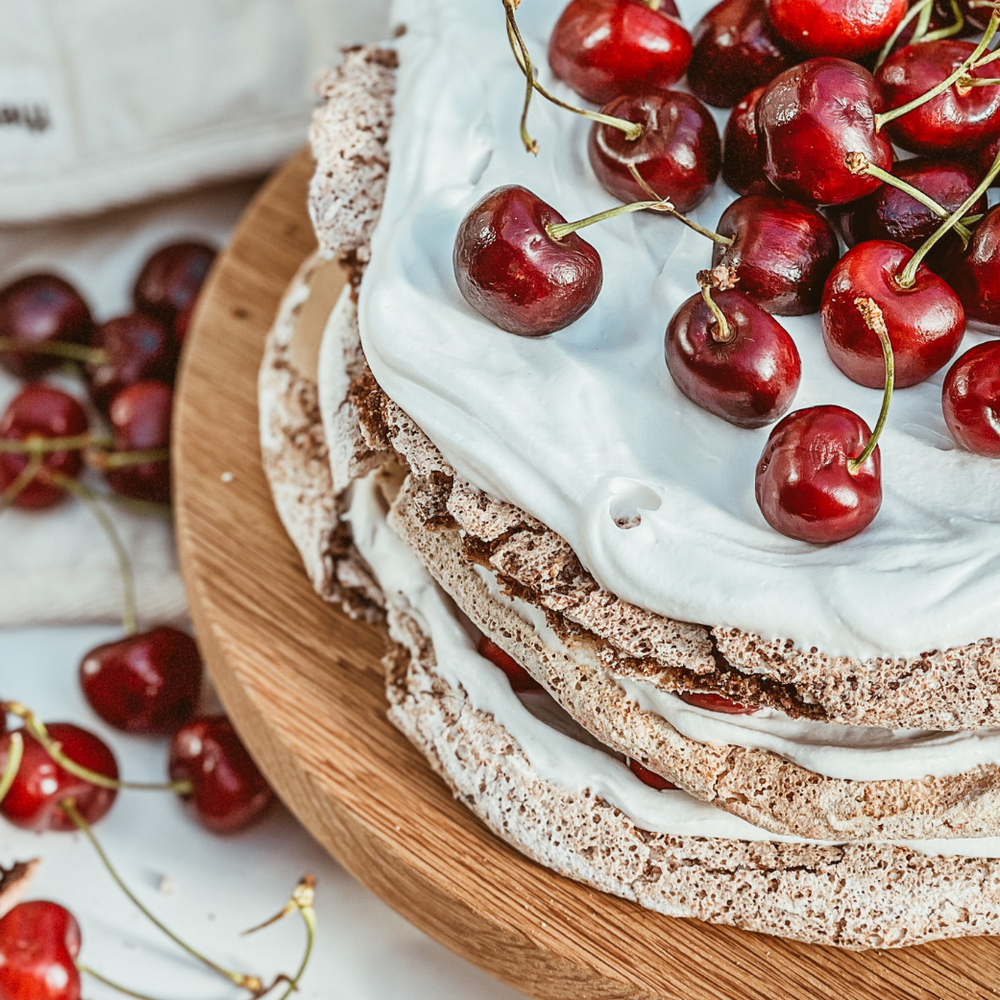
(556, 747)
(585, 429)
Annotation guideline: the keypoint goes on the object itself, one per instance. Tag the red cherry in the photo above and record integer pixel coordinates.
(971, 399)
(926, 321)
(37, 309)
(804, 486)
(41, 411)
(648, 777)
(510, 269)
(749, 379)
(140, 418)
(33, 801)
(782, 251)
(679, 153)
(182, 322)
(171, 278)
(148, 683)
(520, 679)
(716, 703)
(845, 28)
(735, 50)
(975, 275)
(604, 48)
(39, 943)
(228, 792)
(742, 167)
(809, 119)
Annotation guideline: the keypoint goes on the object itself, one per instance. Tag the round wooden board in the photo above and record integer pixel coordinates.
(304, 686)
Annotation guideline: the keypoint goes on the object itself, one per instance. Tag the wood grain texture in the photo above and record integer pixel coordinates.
(304, 687)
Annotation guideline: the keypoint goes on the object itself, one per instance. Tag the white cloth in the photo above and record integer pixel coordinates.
(103, 102)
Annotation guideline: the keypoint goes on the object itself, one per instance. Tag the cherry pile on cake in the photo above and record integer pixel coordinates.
(684, 520)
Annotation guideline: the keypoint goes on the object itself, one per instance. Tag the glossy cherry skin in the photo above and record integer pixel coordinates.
(515, 274)
(140, 419)
(228, 793)
(809, 119)
(970, 399)
(949, 124)
(171, 278)
(520, 679)
(679, 153)
(648, 777)
(742, 167)
(975, 274)
(751, 380)
(42, 411)
(803, 485)
(139, 347)
(39, 943)
(33, 801)
(735, 51)
(926, 322)
(147, 683)
(845, 28)
(605, 48)
(783, 252)
(36, 309)
(716, 703)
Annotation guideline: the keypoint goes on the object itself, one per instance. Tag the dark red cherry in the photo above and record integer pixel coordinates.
(519, 277)
(648, 777)
(604, 48)
(39, 943)
(228, 792)
(845, 28)
(971, 399)
(988, 157)
(182, 322)
(138, 347)
(952, 123)
(750, 379)
(809, 119)
(975, 274)
(171, 278)
(147, 683)
(679, 153)
(37, 309)
(926, 322)
(716, 703)
(742, 167)
(520, 679)
(975, 14)
(41, 411)
(735, 51)
(804, 486)
(140, 420)
(783, 252)
(33, 801)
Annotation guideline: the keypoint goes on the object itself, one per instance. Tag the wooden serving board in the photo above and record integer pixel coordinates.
(304, 687)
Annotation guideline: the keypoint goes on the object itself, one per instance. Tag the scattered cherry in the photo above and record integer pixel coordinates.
(605, 48)
(971, 399)
(41, 784)
(228, 792)
(140, 418)
(975, 274)
(171, 278)
(39, 943)
(648, 777)
(716, 703)
(520, 679)
(742, 168)
(37, 309)
(845, 28)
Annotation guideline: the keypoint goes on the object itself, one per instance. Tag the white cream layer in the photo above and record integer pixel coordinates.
(586, 428)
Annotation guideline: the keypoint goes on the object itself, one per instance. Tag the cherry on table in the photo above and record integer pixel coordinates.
(716, 703)
(172, 277)
(604, 48)
(975, 274)
(41, 784)
(742, 167)
(45, 412)
(146, 683)
(845, 28)
(140, 417)
(36, 309)
(39, 944)
(648, 777)
(520, 679)
(228, 792)
(970, 399)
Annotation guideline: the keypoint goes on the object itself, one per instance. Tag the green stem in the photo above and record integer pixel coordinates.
(875, 320)
(724, 333)
(923, 8)
(952, 29)
(966, 83)
(24, 479)
(15, 754)
(123, 459)
(87, 970)
(560, 230)
(726, 241)
(37, 445)
(55, 349)
(302, 899)
(139, 506)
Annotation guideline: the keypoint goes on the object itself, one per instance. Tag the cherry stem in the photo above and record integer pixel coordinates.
(978, 81)
(38, 445)
(139, 506)
(888, 116)
(875, 321)
(87, 970)
(858, 163)
(909, 274)
(723, 333)
(251, 983)
(107, 461)
(519, 47)
(56, 349)
(922, 8)
(129, 617)
(560, 230)
(952, 29)
(34, 725)
(726, 241)
(24, 479)
(15, 754)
